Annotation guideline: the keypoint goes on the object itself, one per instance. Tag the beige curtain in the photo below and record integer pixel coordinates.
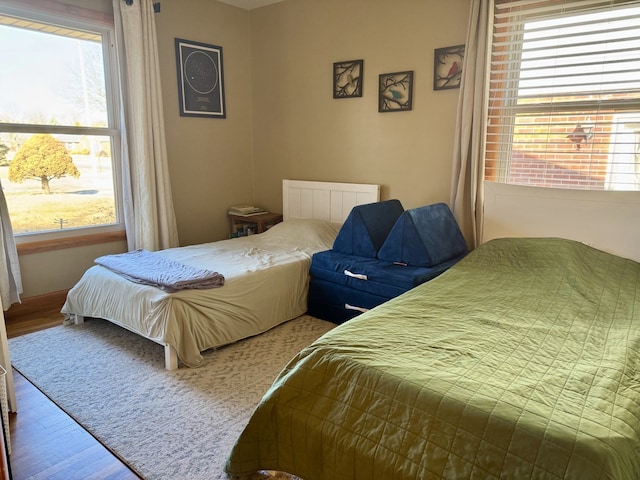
(468, 152)
(149, 215)
(10, 277)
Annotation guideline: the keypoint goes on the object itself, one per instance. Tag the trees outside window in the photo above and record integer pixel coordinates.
(42, 158)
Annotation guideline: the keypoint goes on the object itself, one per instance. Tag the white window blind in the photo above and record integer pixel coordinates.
(564, 94)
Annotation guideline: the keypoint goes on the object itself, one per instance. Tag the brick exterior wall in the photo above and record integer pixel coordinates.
(554, 156)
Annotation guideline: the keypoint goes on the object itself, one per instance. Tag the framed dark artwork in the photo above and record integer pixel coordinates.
(347, 79)
(395, 91)
(447, 67)
(200, 79)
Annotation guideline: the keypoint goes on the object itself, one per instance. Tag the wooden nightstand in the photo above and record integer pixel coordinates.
(239, 225)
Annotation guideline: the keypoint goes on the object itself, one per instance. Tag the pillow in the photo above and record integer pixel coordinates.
(304, 230)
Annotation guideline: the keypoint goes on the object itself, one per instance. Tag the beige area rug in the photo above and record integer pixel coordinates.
(164, 425)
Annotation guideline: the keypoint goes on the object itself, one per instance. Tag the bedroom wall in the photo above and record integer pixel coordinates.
(301, 132)
(282, 121)
(209, 158)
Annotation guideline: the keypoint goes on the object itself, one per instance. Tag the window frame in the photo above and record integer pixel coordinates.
(508, 108)
(81, 19)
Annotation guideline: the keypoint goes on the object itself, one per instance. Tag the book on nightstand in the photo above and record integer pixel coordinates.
(246, 210)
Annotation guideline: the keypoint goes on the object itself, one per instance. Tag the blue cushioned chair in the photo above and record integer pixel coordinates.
(381, 252)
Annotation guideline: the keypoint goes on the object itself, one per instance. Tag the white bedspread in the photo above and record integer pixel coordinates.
(266, 283)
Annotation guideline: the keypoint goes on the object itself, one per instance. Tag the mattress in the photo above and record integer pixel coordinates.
(521, 361)
(266, 283)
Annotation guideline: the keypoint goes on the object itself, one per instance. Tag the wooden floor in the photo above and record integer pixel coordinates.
(45, 442)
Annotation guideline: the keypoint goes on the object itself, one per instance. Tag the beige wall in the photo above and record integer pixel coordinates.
(209, 158)
(301, 132)
(282, 121)
(58, 270)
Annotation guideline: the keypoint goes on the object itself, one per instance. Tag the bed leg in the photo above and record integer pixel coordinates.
(73, 319)
(170, 358)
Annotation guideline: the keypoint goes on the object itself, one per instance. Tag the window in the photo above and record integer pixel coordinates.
(59, 125)
(564, 95)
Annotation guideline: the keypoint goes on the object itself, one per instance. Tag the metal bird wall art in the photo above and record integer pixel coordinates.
(347, 79)
(448, 65)
(395, 91)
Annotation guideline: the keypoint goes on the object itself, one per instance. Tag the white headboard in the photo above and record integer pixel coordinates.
(603, 219)
(325, 200)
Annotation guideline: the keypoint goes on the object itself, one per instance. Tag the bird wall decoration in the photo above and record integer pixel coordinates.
(347, 79)
(448, 66)
(395, 91)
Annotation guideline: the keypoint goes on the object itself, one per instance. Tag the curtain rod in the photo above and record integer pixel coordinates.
(156, 5)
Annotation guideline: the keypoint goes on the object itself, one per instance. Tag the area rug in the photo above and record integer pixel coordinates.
(163, 424)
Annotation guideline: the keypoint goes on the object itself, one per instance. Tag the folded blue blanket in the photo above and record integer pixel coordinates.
(149, 268)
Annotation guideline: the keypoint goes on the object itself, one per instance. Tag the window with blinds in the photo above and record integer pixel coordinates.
(564, 94)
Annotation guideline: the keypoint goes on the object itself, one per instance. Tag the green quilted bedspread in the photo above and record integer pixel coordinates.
(520, 362)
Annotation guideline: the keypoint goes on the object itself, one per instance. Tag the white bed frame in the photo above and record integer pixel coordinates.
(304, 199)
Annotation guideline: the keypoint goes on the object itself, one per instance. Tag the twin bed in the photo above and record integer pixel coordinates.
(522, 361)
(266, 278)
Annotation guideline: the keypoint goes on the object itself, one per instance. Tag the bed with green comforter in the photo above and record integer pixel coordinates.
(522, 361)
